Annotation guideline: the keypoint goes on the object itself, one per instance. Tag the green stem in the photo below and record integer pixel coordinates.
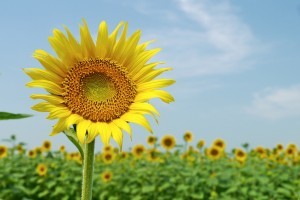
(88, 169)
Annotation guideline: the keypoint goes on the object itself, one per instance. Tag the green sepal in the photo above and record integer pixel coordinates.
(71, 134)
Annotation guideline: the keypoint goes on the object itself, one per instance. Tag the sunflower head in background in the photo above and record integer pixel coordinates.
(99, 86)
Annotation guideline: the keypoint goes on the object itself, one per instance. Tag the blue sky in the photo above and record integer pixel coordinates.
(236, 64)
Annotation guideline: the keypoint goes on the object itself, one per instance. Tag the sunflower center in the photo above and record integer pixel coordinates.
(98, 87)
(99, 90)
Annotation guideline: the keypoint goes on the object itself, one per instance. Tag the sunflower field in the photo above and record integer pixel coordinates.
(161, 170)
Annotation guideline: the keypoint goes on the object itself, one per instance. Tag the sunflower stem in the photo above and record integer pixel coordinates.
(88, 169)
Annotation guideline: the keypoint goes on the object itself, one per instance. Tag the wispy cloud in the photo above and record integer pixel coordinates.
(208, 38)
(276, 103)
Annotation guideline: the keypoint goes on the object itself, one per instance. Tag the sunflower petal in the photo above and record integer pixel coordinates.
(117, 134)
(59, 112)
(104, 132)
(123, 125)
(60, 126)
(112, 39)
(102, 40)
(92, 132)
(43, 107)
(138, 119)
(81, 129)
(40, 74)
(87, 43)
(47, 85)
(53, 99)
(150, 76)
(120, 45)
(161, 94)
(154, 84)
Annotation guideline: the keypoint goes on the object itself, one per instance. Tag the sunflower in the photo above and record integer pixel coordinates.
(107, 148)
(32, 154)
(3, 151)
(240, 155)
(46, 146)
(123, 155)
(214, 152)
(151, 140)
(138, 150)
(108, 157)
(290, 151)
(106, 176)
(261, 151)
(41, 169)
(98, 86)
(220, 143)
(153, 155)
(280, 147)
(38, 150)
(200, 144)
(188, 136)
(62, 148)
(20, 149)
(168, 142)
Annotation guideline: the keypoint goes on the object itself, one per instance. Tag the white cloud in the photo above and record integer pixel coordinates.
(208, 38)
(276, 103)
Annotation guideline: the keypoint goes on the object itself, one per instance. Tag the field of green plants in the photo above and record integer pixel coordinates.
(161, 170)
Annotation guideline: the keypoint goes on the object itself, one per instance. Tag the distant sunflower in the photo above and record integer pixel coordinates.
(261, 151)
(41, 169)
(168, 142)
(106, 176)
(151, 140)
(107, 148)
(31, 154)
(153, 155)
(38, 150)
(280, 147)
(47, 146)
(240, 155)
(214, 152)
(138, 151)
(220, 143)
(188, 136)
(3, 151)
(123, 155)
(98, 86)
(62, 148)
(200, 144)
(290, 151)
(108, 157)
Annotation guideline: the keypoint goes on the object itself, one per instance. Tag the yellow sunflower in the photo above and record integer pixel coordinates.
(214, 152)
(62, 149)
(108, 157)
(99, 86)
(138, 150)
(32, 154)
(107, 148)
(200, 144)
(47, 146)
(106, 176)
(151, 140)
(240, 155)
(3, 151)
(220, 143)
(168, 142)
(188, 136)
(41, 169)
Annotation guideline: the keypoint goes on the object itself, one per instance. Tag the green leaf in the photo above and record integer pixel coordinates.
(6, 116)
(43, 194)
(147, 189)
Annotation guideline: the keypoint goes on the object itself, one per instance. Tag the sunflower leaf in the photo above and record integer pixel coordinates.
(71, 134)
(6, 116)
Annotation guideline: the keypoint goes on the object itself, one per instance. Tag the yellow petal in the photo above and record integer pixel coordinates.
(47, 85)
(74, 45)
(154, 84)
(104, 132)
(43, 107)
(138, 63)
(146, 70)
(144, 107)
(124, 126)
(120, 45)
(73, 119)
(92, 132)
(53, 99)
(130, 47)
(117, 134)
(50, 63)
(161, 94)
(87, 43)
(153, 74)
(60, 126)
(59, 112)
(112, 39)
(40, 74)
(138, 119)
(81, 130)
(102, 40)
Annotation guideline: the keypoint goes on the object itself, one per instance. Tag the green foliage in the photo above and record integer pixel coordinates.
(6, 116)
(169, 177)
